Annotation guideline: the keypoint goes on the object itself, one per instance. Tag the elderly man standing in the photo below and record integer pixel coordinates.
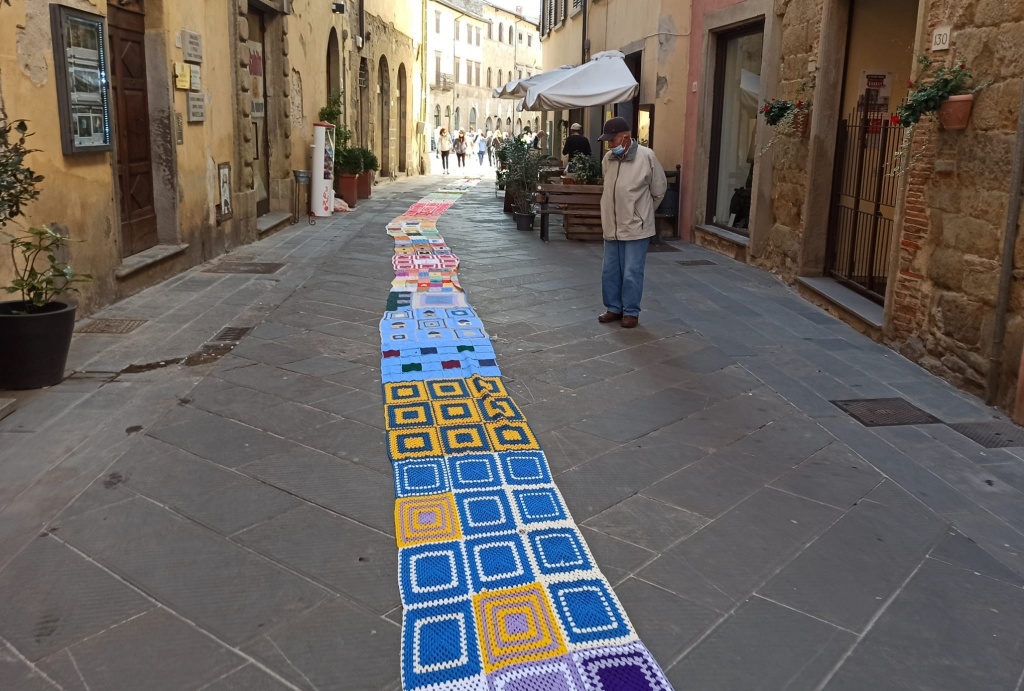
(634, 185)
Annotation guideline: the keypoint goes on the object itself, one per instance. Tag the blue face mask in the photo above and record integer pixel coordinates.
(620, 149)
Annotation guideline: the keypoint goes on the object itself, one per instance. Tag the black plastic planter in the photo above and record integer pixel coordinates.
(524, 221)
(34, 347)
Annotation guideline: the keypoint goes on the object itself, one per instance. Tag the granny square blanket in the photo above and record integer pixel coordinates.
(499, 589)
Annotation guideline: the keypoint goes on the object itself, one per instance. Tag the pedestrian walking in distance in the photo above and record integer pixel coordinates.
(634, 185)
(481, 146)
(444, 145)
(461, 146)
(575, 143)
(490, 148)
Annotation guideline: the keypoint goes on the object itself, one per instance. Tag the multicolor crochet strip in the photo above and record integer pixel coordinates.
(499, 589)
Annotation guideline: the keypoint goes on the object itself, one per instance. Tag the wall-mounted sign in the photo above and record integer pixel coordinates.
(179, 129)
(942, 37)
(196, 107)
(196, 78)
(182, 76)
(259, 104)
(192, 46)
(79, 51)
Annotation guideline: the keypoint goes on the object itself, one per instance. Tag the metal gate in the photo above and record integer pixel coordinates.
(864, 191)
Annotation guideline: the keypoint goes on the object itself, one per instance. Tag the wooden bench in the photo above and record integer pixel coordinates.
(579, 205)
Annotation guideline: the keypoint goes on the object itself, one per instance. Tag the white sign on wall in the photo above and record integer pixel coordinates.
(942, 37)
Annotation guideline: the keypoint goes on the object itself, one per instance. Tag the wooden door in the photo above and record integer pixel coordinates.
(133, 151)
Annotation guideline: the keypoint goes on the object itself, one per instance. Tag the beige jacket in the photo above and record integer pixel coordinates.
(633, 188)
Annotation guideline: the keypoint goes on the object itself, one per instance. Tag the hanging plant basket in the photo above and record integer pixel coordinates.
(955, 112)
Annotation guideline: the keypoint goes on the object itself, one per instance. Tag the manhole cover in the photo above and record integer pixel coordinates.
(662, 247)
(231, 334)
(244, 268)
(111, 326)
(991, 435)
(885, 412)
(695, 262)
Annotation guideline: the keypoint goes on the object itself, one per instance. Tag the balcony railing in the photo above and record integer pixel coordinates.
(444, 82)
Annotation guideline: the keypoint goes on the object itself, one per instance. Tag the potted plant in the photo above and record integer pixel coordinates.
(940, 90)
(35, 330)
(511, 150)
(521, 184)
(787, 117)
(348, 164)
(585, 170)
(370, 166)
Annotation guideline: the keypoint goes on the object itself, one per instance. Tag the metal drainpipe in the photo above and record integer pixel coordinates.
(995, 355)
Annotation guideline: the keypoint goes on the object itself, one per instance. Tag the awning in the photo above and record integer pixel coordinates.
(603, 80)
(519, 87)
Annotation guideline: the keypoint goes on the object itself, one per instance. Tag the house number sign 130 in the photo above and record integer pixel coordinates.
(942, 37)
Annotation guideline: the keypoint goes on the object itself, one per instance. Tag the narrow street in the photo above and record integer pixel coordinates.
(181, 514)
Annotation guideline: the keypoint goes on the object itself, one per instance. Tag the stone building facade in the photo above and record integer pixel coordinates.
(898, 233)
(191, 150)
(655, 38)
(473, 48)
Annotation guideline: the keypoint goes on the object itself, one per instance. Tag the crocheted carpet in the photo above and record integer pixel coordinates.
(499, 590)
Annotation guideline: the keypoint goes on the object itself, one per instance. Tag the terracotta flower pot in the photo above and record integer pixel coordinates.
(802, 122)
(955, 111)
(365, 184)
(348, 188)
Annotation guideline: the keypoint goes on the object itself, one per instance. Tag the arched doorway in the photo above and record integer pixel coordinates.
(384, 108)
(333, 64)
(403, 141)
(472, 118)
(437, 117)
(364, 103)
(487, 124)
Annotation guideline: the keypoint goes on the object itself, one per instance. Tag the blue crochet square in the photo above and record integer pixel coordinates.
(474, 471)
(498, 561)
(588, 611)
(559, 550)
(483, 512)
(418, 476)
(539, 505)
(432, 573)
(525, 467)
(439, 644)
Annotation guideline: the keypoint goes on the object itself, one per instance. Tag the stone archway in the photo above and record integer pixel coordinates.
(403, 119)
(384, 104)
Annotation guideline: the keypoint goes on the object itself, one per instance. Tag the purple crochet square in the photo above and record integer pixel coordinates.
(621, 668)
(556, 674)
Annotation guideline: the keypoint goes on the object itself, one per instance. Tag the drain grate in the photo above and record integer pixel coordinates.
(991, 435)
(231, 334)
(885, 412)
(244, 268)
(111, 326)
(662, 247)
(696, 262)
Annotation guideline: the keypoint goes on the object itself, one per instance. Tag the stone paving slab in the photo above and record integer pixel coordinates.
(756, 535)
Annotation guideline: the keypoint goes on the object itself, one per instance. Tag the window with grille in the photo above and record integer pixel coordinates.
(520, 37)
(455, 71)
(477, 69)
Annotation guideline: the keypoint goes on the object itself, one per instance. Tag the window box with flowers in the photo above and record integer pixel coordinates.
(787, 117)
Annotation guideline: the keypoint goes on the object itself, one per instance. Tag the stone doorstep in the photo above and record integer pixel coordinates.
(275, 220)
(146, 258)
(834, 293)
(7, 406)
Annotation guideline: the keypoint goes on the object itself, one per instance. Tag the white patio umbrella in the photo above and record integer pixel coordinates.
(517, 88)
(604, 79)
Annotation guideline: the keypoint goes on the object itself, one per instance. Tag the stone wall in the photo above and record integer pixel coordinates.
(778, 249)
(955, 210)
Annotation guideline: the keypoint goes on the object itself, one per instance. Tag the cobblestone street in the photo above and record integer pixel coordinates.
(178, 515)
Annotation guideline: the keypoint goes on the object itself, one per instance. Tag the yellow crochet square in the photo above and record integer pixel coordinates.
(511, 436)
(448, 388)
(481, 386)
(432, 518)
(516, 625)
(418, 442)
(405, 392)
(455, 411)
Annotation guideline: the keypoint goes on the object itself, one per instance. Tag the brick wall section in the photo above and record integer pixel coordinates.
(955, 210)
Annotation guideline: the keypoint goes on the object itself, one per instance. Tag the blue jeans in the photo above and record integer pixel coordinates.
(622, 280)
